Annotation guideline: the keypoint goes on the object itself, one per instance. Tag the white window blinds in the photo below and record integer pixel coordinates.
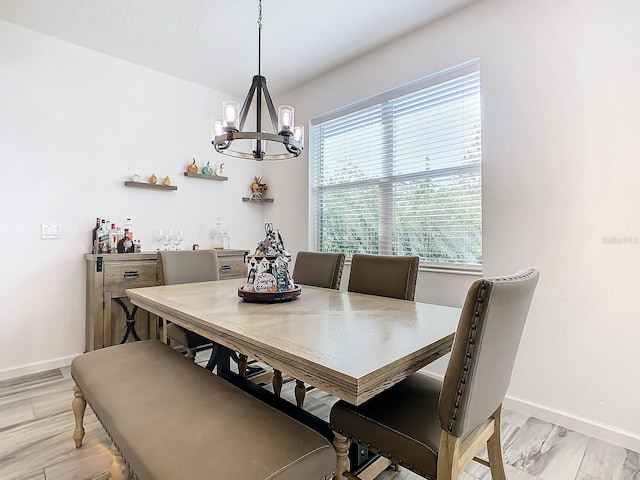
(400, 173)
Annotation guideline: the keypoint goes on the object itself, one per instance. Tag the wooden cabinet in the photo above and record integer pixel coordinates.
(108, 308)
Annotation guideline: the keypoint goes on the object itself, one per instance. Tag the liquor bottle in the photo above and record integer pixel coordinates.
(113, 239)
(94, 236)
(129, 226)
(126, 244)
(103, 238)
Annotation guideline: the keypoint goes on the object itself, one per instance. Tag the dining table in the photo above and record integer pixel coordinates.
(350, 345)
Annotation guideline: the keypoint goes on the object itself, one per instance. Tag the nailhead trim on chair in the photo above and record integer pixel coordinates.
(388, 455)
(462, 381)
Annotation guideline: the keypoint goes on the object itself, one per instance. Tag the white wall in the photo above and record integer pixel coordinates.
(561, 106)
(74, 124)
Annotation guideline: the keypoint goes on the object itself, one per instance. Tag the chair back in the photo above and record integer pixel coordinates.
(319, 269)
(384, 275)
(484, 350)
(188, 266)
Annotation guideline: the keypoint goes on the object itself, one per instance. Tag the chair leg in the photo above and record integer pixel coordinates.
(494, 449)
(191, 354)
(242, 365)
(300, 392)
(277, 382)
(448, 455)
(341, 445)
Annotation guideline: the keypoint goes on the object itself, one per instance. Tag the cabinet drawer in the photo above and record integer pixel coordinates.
(232, 268)
(130, 275)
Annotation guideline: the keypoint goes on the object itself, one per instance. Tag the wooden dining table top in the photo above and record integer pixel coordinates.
(351, 345)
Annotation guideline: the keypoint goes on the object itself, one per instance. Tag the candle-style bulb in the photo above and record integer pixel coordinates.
(230, 115)
(285, 120)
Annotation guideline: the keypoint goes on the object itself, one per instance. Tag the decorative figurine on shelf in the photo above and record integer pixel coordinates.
(258, 187)
(207, 170)
(135, 177)
(268, 267)
(153, 179)
(193, 168)
(166, 181)
(220, 170)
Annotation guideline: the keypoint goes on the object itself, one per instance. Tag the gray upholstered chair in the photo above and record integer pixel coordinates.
(392, 276)
(316, 269)
(189, 266)
(434, 428)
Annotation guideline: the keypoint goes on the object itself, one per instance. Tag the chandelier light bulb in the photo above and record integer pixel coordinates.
(216, 128)
(285, 119)
(230, 115)
(298, 134)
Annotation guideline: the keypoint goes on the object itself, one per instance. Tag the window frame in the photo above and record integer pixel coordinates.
(389, 179)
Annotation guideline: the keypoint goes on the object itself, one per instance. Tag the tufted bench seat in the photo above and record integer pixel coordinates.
(169, 418)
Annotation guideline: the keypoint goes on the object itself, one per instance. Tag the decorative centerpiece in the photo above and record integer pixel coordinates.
(269, 279)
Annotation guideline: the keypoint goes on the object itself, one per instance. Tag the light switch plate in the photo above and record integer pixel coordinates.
(49, 231)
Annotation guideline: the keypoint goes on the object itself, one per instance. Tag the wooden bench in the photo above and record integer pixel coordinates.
(169, 418)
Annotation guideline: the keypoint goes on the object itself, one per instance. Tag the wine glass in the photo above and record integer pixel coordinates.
(179, 237)
(167, 239)
(158, 236)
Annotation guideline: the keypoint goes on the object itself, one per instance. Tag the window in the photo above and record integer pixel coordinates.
(400, 173)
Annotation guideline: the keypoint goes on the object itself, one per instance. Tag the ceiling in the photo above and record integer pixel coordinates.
(214, 42)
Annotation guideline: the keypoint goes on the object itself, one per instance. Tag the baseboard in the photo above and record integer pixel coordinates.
(608, 433)
(36, 367)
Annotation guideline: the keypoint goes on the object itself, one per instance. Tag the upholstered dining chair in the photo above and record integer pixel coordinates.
(189, 266)
(316, 269)
(432, 427)
(392, 276)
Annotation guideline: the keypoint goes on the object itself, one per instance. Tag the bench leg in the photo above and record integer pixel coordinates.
(78, 405)
(119, 469)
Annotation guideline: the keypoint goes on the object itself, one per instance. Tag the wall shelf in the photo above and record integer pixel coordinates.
(157, 186)
(208, 177)
(257, 200)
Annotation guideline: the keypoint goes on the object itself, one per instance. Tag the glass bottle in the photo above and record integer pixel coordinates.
(94, 236)
(226, 241)
(128, 225)
(113, 239)
(217, 236)
(103, 238)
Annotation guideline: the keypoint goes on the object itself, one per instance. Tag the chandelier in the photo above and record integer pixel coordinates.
(229, 136)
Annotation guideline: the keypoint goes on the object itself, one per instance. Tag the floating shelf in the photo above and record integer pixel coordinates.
(257, 200)
(157, 186)
(209, 177)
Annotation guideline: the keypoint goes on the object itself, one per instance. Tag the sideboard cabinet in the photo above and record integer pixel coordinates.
(111, 317)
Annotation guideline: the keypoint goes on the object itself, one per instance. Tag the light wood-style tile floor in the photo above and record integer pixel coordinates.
(36, 424)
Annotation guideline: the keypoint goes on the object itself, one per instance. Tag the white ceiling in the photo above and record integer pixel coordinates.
(214, 42)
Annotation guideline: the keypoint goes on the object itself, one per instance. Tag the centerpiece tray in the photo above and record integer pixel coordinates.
(255, 297)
